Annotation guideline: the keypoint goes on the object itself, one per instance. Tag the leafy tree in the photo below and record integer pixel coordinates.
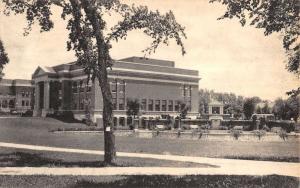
(279, 108)
(287, 109)
(258, 110)
(265, 109)
(272, 16)
(249, 107)
(87, 28)
(3, 58)
(293, 108)
(133, 107)
(184, 108)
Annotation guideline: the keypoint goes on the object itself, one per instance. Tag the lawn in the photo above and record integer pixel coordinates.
(36, 131)
(23, 158)
(272, 181)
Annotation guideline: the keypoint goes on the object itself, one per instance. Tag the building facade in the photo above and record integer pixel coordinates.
(157, 84)
(16, 95)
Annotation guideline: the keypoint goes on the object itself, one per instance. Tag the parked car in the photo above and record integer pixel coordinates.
(14, 112)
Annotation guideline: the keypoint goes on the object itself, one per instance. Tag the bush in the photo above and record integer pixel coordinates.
(65, 116)
(232, 123)
(205, 127)
(186, 127)
(288, 126)
(259, 133)
(28, 113)
(283, 135)
(236, 133)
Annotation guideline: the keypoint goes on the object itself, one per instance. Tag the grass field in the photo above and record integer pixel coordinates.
(272, 181)
(36, 131)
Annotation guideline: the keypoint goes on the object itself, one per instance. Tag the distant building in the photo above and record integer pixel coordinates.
(157, 84)
(16, 95)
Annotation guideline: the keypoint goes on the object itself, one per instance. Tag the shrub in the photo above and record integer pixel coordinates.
(28, 113)
(283, 135)
(288, 126)
(232, 123)
(178, 133)
(235, 133)
(206, 126)
(201, 132)
(266, 128)
(185, 127)
(259, 133)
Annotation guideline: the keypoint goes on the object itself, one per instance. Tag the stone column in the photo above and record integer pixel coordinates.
(46, 98)
(36, 100)
(221, 110)
(209, 109)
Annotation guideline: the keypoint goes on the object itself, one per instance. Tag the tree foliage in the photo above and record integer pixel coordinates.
(287, 109)
(249, 107)
(272, 16)
(86, 26)
(3, 58)
(133, 107)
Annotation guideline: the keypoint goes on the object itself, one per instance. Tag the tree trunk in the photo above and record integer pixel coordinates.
(103, 56)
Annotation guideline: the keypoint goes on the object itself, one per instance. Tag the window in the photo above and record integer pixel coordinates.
(23, 103)
(26, 94)
(113, 86)
(190, 88)
(144, 103)
(4, 104)
(122, 121)
(23, 94)
(163, 105)
(27, 103)
(170, 105)
(74, 106)
(183, 90)
(157, 105)
(74, 87)
(177, 103)
(122, 86)
(114, 103)
(88, 87)
(81, 105)
(215, 110)
(121, 104)
(150, 105)
(81, 86)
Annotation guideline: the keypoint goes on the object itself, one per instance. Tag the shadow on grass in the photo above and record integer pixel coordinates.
(22, 159)
(272, 181)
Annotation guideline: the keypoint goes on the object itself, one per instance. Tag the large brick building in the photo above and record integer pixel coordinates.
(16, 95)
(157, 84)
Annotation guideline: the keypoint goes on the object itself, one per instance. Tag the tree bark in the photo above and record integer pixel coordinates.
(103, 54)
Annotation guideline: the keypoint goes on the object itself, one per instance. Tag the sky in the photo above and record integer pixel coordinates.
(229, 58)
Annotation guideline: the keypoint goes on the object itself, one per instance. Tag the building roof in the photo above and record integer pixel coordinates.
(215, 103)
(150, 61)
(16, 82)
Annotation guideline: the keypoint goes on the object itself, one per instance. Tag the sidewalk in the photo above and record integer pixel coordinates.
(226, 166)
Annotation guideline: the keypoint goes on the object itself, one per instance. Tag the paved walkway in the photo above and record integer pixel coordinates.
(225, 166)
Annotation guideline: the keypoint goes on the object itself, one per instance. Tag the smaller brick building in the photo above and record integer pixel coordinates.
(16, 95)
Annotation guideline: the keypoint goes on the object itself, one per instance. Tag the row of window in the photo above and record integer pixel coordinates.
(118, 85)
(25, 93)
(81, 86)
(83, 103)
(186, 91)
(25, 103)
(160, 105)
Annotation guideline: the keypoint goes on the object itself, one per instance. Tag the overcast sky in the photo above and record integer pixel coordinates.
(229, 58)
